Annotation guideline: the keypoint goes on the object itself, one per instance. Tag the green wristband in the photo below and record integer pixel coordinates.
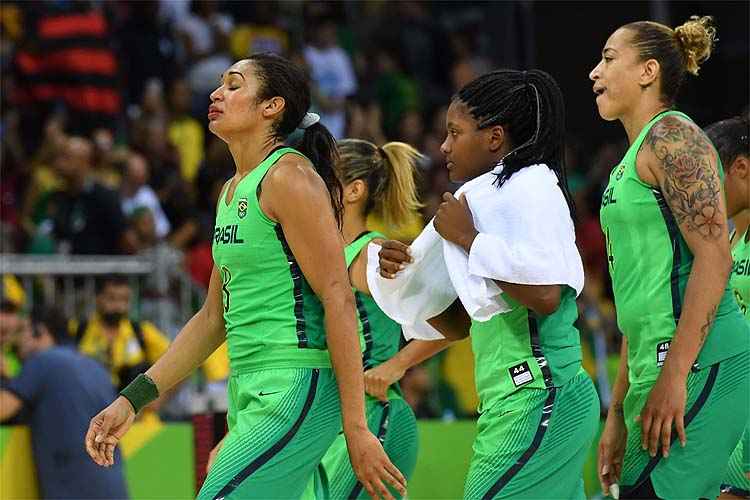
(140, 392)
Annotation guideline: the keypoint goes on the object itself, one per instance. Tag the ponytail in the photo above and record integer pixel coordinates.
(319, 146)
(389, 174)
(398, 200)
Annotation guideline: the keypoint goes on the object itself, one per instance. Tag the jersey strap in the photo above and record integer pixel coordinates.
(352, 249)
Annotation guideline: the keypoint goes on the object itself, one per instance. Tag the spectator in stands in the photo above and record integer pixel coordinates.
(11, 322)
(84, 217)
(136, 193)
(105, 157)
(158, 302)
(184, 131)
(198, 31)
(175, 194)
(332, 75)
(67, 47)
(266, 32)
(147, 49)
(60, 390)
(125, 346)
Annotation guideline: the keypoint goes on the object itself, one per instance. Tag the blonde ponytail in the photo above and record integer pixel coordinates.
(398, 201)
(697, 38)
(389, 174)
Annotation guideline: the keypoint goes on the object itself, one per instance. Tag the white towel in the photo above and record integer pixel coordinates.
(526, 236)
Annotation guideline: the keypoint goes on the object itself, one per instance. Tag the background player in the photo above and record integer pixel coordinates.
(731, 140)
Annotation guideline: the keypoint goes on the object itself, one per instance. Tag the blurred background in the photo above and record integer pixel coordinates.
(109, 177)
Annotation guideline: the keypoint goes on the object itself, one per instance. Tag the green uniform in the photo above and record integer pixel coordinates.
(650, 262)
(284, 408)
(735, 480)
(393, 422)
(539, 410)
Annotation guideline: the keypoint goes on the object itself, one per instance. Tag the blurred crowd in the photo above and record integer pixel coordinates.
(105, 148)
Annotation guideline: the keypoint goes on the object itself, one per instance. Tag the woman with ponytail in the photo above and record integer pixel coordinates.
(376, 180)
(682, 394)
(511, 242)
(279, 295)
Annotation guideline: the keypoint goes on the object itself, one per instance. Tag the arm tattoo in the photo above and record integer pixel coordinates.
(691, 184)
(618, 409)
(707, 325)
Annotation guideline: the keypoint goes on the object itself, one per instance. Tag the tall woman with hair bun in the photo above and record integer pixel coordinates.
(280, 296)
(512, 229)
(375, 180)
(682, 394)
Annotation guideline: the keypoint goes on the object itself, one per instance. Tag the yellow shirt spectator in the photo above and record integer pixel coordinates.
(127, 355)
(135, 347)
(187, 136)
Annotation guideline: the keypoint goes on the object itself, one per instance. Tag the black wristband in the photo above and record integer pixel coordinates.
(140, 392)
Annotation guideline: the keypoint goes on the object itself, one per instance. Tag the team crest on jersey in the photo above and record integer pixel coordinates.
(620, 171)
(242, 208)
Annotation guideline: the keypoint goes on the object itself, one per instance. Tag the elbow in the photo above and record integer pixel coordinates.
(719, 261)
(548, 302)
(338, 297)
(455, 334)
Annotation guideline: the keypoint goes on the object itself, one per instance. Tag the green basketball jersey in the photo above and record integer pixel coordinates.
(523, 349)
(740, 280)
(649, 262)
(273, 319)
(379, 335)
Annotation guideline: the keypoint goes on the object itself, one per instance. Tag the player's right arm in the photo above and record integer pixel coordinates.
(195, 342)
(614, 435)
(380, 378)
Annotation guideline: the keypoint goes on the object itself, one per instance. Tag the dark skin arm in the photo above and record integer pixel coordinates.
(454, 223)
(677, 158)
(453, 324)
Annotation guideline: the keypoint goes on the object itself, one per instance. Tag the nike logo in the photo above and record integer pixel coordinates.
(261, 393)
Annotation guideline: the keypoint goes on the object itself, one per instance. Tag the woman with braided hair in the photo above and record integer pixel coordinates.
(682, 395)
(513, 230)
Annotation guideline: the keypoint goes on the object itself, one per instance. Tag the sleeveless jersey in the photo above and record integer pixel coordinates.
(649, 262)
(380, 336)
(272, 317)
(740, 280)
(520, 348)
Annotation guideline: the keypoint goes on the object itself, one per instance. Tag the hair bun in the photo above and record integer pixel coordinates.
(697, 38)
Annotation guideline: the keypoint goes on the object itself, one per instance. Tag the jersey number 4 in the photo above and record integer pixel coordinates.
(226, 277)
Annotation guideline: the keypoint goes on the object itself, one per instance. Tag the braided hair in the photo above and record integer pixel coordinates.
(529, 106)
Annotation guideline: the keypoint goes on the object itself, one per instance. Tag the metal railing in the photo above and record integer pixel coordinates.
(70, 282)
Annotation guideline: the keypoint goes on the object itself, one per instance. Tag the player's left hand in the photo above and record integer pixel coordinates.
(372, 466)
(665, 407)
(453, 221)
